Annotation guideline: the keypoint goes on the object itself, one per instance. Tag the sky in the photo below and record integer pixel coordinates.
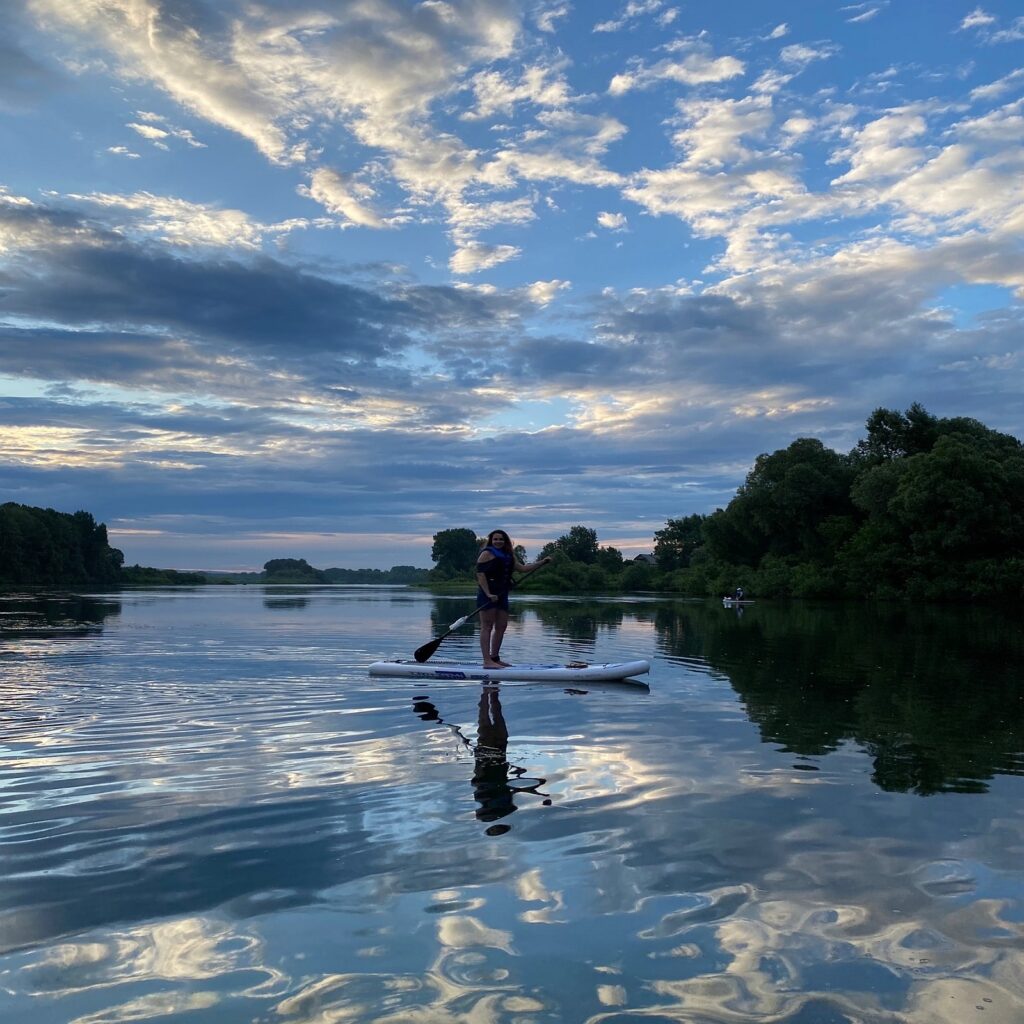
(319, 278)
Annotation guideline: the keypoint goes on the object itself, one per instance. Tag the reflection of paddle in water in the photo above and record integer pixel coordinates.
(493, 789)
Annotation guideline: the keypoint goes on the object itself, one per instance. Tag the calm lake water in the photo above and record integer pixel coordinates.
(210, 813)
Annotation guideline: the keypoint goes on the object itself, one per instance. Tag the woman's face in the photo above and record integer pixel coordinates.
(497, 540)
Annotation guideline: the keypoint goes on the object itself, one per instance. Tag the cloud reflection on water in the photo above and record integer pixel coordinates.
(264, 834)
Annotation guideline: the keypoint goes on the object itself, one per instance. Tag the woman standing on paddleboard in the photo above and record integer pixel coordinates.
(494, 568)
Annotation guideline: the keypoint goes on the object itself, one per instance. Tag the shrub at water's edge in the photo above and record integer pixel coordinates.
(146, 576)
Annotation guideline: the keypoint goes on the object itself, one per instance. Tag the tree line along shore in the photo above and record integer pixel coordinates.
(922, 508)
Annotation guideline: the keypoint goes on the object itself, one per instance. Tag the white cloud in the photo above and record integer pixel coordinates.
(375, 67)
(469, 218)
(982, 20)
(955, 193)
(696, 68)
(430, 165)
(801, 55)
(978, 18)
(548, 16)
(343, 195)
(715, 128)
(473, 257)
(148, 131)
(798, 126)
(158, 135)
(1002, 127)
(864, 11)
(613, 221)
(709, 202)
(568, 146)
(771, 81)
(935, 195)
(184, 223)
(497, 93)
(151, 46)
(634, 9)
(779, 31)
(879, 150)
(542, 293)
(123, 151)
(998, 87)
(1013, 34)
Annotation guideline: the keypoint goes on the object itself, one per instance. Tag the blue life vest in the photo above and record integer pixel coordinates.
(498, 570)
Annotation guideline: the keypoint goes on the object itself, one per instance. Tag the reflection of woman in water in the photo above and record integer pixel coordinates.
(491, 768)
(490, 776)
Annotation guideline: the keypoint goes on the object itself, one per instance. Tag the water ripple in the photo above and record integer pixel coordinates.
(209, 811)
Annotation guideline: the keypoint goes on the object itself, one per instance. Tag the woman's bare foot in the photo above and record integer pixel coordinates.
(501, 664)
(495, 664)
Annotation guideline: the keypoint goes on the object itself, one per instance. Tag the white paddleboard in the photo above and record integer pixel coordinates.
(575, 672)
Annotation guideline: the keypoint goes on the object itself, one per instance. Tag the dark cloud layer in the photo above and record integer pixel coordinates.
(262, 306)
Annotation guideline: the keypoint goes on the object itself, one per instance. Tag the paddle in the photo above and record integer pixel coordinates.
(427, 651)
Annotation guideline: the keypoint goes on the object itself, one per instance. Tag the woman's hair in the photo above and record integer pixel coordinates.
(509, 546)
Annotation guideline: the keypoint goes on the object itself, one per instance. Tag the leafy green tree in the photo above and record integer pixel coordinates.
(939, 521)
(637, 576)
(895, 435)
(578, 545)
(923, 507)
(962, 499)
(405, 574)
(41, 545)
(731, 538)
(675, 544)
(291, 570)
(781, 506)
(875, 562)
(454, 552)
(610, 559)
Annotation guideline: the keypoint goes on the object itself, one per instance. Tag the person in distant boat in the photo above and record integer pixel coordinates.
(494, 567)
(739, 594)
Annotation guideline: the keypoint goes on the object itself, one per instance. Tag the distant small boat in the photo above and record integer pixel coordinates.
(730, 601)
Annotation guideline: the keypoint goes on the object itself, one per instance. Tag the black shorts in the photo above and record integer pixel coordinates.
(501, 604)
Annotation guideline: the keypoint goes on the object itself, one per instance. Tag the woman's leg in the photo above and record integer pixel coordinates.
(486, 628)
(498, 634)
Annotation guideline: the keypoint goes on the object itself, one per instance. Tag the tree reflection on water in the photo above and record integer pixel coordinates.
(45, 614)
(933, 694)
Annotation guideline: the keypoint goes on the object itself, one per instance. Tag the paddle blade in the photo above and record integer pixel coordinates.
(426, 652)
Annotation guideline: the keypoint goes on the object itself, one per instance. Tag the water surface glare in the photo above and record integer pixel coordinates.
(209, 812)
